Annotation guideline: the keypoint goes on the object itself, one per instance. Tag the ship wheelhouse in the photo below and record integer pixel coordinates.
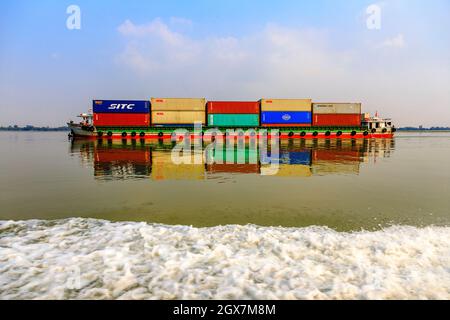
(377, 124)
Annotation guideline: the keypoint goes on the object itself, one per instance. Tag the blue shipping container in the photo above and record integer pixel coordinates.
(285, 117)
(120, 106)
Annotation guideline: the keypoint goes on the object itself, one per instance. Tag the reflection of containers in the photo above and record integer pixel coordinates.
(120, 106)
(291, 157)
(336, 108)
(138, 156)
(301, 157)
(286, 105)
(233, 156)
(233, 107)
(168, 118)
(163, 168)
(121, 119)
(339, 120)
(292, 118)
(331, 168)
(232, 168)
(121, 163)
(178, 104)
(233, 120)
(336, 155)
(288, 170)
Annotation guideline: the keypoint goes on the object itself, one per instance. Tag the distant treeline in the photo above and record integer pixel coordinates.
(33, 128)
(424, 129)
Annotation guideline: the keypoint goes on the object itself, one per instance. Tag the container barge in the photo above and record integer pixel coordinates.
(159, 118)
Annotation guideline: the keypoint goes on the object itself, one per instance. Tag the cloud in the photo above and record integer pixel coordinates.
(274, 54)
(55, 55)
(154, 28)
(174, 21)
(280, 61)
(395, 42)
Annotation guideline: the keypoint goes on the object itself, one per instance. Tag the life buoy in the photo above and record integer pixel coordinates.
(353, 133)
(339, 133)
(100, 134)
(290, 134)
(327, 133)
(109, 133)
(374, 130)
(142, 134)
(124, 134)
(133, 133)
(384, 130)
(160, 134)
(315, 133)
(366, 133)
(302, 134)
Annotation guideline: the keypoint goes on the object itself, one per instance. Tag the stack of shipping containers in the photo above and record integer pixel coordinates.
(233, 113)
(121, 113)
(337, 114)
(177, 112)
(286, 112)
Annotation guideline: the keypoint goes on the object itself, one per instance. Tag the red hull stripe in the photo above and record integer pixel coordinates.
(308, 135)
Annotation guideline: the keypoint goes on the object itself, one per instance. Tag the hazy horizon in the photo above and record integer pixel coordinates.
(225, 50)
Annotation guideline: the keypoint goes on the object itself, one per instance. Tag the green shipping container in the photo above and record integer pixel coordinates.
(233, 120)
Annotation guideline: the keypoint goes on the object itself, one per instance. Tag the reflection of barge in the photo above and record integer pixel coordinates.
(167, 118)
(129, 159)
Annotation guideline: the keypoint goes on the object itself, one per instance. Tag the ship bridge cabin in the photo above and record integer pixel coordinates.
(377, 124)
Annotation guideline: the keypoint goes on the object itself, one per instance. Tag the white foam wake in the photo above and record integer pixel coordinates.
(96, 259)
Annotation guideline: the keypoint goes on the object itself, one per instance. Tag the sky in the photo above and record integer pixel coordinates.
(395, 60)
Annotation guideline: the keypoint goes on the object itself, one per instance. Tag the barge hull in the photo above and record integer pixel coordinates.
(282, 135)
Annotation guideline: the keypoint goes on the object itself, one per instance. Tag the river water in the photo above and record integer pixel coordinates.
(336, 219)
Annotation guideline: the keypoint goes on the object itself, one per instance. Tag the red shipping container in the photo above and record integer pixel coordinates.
(248, 107)
(338, 120)
(121, 119)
